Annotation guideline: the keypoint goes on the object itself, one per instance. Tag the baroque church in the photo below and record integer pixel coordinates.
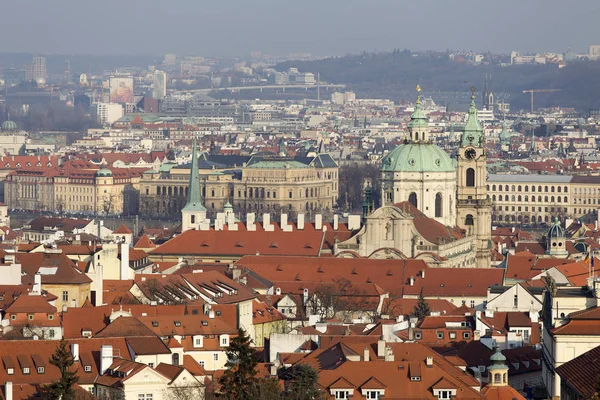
(434, 208)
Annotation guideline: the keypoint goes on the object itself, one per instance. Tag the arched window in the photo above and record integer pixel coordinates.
(559, 189)
(506, 188)
(519, 198)
(471, 177)
(533, 188)
(512, 198)
(520, 188)
(438, 205)
(512, 188)
(494, 197)
(552, 189)
(494, 188)
(540, 199)
(412, 199)
(558, 198)
(546, 189)
(539, 188)
(506, 198)
(566, 189)
(546, 199)
(526, 188)
(526, 198)
(469, 220)
(552, 199)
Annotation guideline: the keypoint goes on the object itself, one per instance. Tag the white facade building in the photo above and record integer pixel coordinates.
(160, 85)
(107, 113)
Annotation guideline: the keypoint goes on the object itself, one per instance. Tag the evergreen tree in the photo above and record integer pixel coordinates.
(63, 360)
(421, 309)
(239, 380)
(266, 389)
(302, 383)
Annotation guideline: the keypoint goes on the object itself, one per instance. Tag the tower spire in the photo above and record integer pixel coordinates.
(418, 126)
(194, 211)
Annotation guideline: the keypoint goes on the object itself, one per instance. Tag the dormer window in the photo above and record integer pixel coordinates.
(177, 323)
(25, 371)
(87, 368)
(444, 394)
(10, 371)
(155, 324)
(415, 378)
(341, 394)
(40, 370)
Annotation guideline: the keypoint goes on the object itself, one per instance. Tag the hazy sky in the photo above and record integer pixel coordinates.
(321, 27)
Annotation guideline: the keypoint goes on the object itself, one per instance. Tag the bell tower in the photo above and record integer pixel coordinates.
(474, 207)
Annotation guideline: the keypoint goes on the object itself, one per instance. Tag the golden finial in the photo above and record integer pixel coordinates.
(418, 88)
(473, 92)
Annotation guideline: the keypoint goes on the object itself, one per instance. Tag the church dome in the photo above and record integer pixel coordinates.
(418, 157)
(9, 126)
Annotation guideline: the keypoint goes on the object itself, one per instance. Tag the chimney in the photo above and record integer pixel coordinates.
(106, 357)
(75, 351)
(8, 391)
(37, 285)
(300, 222)
(380, 348)
(389, 354)
(429, 362)
(284, 223)
(124, 261)
(318, 222)
(366, 354)
(231, 225)
(211, 314)
(250, 222)
(267, 226)
(336, 222)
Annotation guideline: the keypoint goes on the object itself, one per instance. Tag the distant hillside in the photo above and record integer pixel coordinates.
(388, 75)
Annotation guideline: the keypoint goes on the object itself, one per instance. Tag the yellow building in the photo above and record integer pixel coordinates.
(76, 187)
(59, 276)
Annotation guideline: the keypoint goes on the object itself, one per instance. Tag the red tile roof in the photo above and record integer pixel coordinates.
(581, 373)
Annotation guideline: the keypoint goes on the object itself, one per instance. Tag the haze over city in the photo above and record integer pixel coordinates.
(332, 27)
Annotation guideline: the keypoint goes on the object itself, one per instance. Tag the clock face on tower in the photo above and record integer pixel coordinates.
(470, 154)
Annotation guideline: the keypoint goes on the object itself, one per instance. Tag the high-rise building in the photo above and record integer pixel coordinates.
(37, 70)
(107, 113)
(121, 89)
(160, 85)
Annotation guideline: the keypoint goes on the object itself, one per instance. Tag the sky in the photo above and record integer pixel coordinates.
(319, 27)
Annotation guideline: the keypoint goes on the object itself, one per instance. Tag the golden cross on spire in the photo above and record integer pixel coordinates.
(418, 88)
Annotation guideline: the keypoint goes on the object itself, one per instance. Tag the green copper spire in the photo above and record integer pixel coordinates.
(452, 135)
(418, 119)
(473, 133)
(194, 202)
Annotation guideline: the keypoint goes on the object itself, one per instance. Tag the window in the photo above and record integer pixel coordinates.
(30, 317)
(470, 177)
(201, 363)
(438, 205)
(88, 368)
(342, 394)
(373, 394)
(13, 317)
(418, 335)
(224, 341)
(412, 199)
(216, 357)
(25, 371)
(40, 370)
(175, 359)
(444, 394)
(65, 295)
(151, 364)
(440, 335)
(466, 335)
(198, 341)
(51, 333)
(469, 220)
(452, 335)
(515, 301)
(10, 371)
(472, 303)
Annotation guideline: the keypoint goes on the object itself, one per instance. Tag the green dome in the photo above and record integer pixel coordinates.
(103, 172)
(498, 361)
(504, 135)
(418, 119)
(418, 157)
(9, 126)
